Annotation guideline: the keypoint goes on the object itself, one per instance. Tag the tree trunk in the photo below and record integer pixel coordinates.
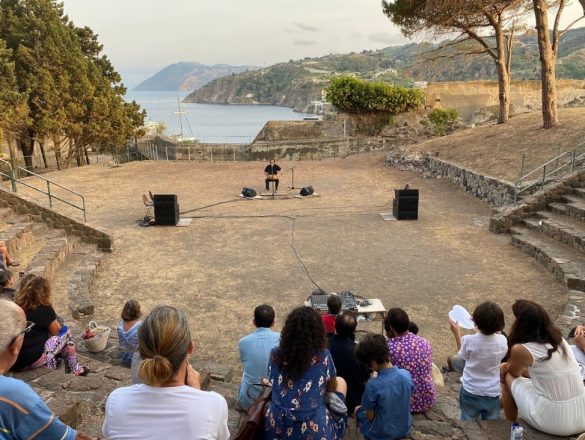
(548, 60)
(27, 146)
(42, 146)
(502, 63)
(87, 161)
(57, 148)
(77, 157)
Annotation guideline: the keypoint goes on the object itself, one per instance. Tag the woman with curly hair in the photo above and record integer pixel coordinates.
(541, 380)
(303, 377)
(47, 340)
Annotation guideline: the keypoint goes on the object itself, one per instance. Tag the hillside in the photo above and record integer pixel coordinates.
(497, 150)
(187, 76)
(298, 82)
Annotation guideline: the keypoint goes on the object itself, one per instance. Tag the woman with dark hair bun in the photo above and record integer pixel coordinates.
(541, 380)
(303, 377)
(170, 403)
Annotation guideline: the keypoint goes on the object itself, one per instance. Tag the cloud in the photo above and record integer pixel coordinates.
(306, 27)
(385, 38)
(297, 42)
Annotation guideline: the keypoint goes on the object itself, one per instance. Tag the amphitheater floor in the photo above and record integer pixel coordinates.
(237, 255)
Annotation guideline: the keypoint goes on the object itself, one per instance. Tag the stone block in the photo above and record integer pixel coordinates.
(118, 373)
(85, 383)
(54, 381)
(66, 408)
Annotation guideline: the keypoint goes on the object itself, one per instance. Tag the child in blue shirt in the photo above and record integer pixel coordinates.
(385, 410)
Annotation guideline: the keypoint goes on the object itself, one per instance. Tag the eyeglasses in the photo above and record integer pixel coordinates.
(29, 325)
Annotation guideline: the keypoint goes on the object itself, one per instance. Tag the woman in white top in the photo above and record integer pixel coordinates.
(170, 403)
(541, 380)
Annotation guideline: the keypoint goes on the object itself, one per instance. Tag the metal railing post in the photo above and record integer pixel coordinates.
(234, 152)
(543, 176)
(84, 211)
(189, 153)
(167, 152)
(49, 193)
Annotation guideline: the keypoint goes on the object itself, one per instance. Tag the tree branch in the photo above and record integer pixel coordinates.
(555, 32)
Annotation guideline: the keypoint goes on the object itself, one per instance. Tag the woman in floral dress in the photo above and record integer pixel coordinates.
(301, 372)
(414, 354)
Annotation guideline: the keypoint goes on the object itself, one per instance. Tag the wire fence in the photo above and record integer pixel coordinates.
(48, 162)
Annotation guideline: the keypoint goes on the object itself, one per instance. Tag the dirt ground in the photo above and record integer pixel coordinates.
(237, 255)
(497, 150)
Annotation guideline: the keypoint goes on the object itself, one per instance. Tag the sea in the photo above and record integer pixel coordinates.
(212, 123)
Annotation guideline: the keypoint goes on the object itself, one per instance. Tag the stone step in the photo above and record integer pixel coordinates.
(564, 262)
(575, 206)
(62, 277)
(565, 229)
(579, 192)
(557, 208)
(80, 299)
(56, 248)
(6, 213)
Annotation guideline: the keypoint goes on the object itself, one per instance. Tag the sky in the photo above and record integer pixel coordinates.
(143, 36)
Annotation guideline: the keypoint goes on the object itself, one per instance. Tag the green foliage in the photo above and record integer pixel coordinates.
(442, 120)
(358, 96)
(70, 90)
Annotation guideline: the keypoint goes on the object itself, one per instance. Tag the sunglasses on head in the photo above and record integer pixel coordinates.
(29, 325)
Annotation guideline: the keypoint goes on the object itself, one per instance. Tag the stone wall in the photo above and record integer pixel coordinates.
(467, 97)
(294, 130)
(88, 233)
(509, 216)
(301, 149)
(490, 189)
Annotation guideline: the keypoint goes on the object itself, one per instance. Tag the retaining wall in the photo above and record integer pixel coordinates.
(470, 96)
(88, 233)
(491, 189)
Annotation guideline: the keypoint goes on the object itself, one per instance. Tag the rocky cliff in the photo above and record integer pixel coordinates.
(284, 85)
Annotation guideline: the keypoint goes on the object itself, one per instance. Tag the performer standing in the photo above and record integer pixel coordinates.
(272, 174)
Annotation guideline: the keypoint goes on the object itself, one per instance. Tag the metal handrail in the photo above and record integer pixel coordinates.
(14, 181)
(541, 181)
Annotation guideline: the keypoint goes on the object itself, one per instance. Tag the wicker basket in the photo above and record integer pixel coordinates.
(100, 340)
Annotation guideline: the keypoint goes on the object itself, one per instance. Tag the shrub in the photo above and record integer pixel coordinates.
(442, 120)
(358, 96)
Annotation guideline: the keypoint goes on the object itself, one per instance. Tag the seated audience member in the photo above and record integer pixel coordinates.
(47, 340)
(128, 330)
(254, 353)
(23, 414)
(412, 353)
(342, 348)
(5, 259)
(385, 410)
(333, 309)
(552, 396)
(302, 375)
(6, 283)
(479, 397)
(579, 348)
(170, 403)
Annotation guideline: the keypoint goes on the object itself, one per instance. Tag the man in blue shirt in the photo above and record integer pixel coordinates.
(23, 414)
(254, 353)
(385, 410)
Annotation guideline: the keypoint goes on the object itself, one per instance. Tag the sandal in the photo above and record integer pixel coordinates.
(14, 263)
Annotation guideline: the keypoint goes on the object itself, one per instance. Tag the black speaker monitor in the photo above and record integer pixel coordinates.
(405, 204)
(166, 209)
(249, 192)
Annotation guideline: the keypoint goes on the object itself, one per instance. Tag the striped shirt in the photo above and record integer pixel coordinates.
(24, 415)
